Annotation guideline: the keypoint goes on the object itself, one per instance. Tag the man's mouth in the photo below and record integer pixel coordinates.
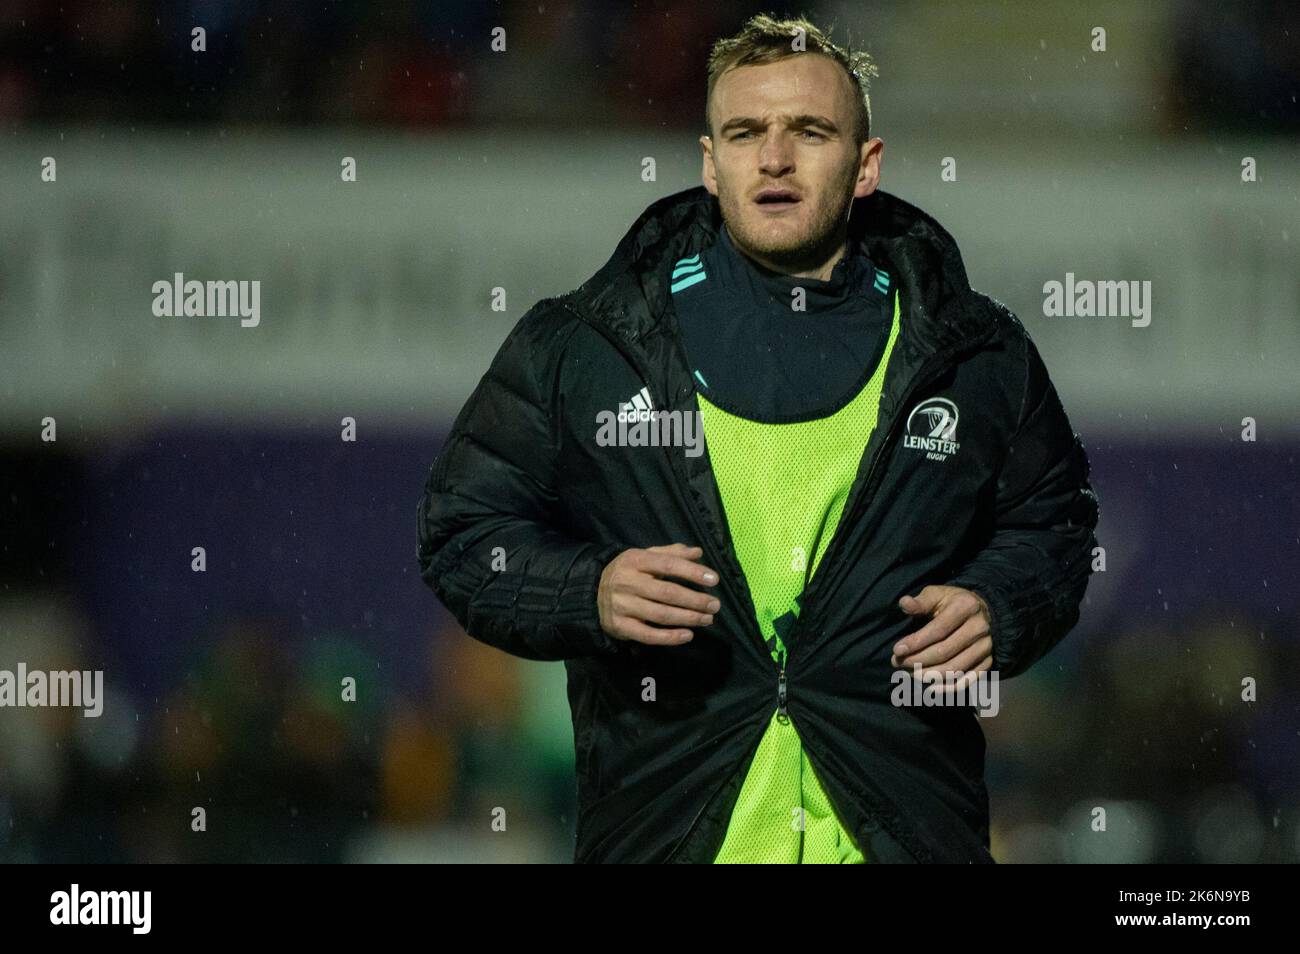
(777, 200)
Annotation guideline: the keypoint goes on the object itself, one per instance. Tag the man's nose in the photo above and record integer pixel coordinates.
(776, 154)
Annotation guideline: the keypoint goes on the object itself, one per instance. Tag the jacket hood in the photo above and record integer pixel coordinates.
(630, 292)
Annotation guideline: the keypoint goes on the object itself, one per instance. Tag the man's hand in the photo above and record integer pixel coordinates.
(957, 638)
(633, 594)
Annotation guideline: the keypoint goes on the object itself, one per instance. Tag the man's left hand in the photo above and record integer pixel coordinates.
(957, 638)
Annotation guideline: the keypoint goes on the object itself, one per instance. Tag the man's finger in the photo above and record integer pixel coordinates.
(651, 636)
(674, 594)
(675, 547)
(969, 673)
(923, 602)
(664, 564)
(947, 647)
(961, 659)
(661, 613)
(945, 620)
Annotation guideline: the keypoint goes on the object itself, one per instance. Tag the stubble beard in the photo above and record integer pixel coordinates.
(792, 250)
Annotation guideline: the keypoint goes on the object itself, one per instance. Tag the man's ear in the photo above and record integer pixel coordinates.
(871, 155)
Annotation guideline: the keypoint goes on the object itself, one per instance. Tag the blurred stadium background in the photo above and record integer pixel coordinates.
(520, 169)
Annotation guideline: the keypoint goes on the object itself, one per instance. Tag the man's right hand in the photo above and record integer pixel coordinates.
(634, 594)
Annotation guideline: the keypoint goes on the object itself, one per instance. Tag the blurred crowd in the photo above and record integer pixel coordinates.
(438, 63)
(1148, 726)
(404, 63)
(261, 736)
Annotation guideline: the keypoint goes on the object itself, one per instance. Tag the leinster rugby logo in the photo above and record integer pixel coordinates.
(932, 427)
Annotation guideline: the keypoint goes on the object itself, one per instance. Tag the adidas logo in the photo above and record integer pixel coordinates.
(638, 424)
(881, 282)
(687, 272)
(637, 409)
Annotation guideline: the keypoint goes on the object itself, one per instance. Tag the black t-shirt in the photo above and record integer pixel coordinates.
(754, 355)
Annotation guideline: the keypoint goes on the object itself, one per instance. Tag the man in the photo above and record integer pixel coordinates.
(891, 487)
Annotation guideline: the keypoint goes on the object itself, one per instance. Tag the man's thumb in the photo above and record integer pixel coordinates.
(917, 604)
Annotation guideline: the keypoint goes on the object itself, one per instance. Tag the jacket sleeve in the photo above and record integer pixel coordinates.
(1034, 570)
(487, 544)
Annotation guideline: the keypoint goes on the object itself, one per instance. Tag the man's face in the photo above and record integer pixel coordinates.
(787, 127)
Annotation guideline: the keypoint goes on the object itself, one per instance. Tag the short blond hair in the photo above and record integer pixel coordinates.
(764, 39)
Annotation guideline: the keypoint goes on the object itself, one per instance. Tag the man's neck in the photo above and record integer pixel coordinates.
(808, 266)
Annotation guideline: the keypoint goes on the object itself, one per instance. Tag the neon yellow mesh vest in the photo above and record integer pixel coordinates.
(783, 487)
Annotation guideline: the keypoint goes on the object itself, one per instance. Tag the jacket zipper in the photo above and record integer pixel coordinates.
(930, 370)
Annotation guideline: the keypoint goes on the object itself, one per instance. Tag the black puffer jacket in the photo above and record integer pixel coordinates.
(1008, 512)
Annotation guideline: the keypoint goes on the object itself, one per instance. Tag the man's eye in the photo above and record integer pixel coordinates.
(805, 132)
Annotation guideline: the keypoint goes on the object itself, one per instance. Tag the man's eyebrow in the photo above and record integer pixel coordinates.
(804, 119)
